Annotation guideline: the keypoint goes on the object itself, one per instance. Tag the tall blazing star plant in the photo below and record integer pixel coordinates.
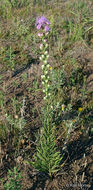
(42, 25)
(47, 158)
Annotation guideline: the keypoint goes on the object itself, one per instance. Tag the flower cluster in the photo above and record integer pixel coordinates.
(45, 68)
(43, 24)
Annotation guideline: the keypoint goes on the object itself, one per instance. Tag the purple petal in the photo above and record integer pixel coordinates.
(40, 34)
(47, 22)
(46, 28)
(38, 26)
(42, 21)
(37, 20)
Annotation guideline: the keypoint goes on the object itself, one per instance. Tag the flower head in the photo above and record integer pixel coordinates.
(80, 109)
(42, 21)
(62, 107)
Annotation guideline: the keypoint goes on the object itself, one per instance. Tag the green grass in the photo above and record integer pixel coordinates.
(14, 180)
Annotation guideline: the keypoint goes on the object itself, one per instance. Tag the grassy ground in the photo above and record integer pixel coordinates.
(21, 98)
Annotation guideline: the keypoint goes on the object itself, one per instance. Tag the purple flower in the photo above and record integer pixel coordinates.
(46, 28)
(40, 34)
(45, 40)
(42, 21)
(38, 26)
(47, 22)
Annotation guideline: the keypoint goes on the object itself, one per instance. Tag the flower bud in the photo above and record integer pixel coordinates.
(45, 61)
(42, 56)
(40, 34)
(16, 116)
(45, 40)
(46, 81)
(46, 72)
(46, 52)
(48, 66)
(41, 46)
(42, 66)
(46, 45)
(45, 97)
(47, 56)
(42, 76)
(46, 33)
